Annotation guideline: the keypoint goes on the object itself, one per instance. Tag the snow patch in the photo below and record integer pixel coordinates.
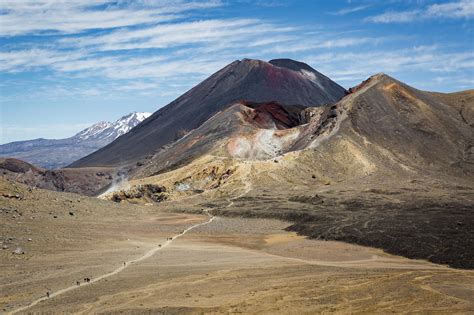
(312, 77)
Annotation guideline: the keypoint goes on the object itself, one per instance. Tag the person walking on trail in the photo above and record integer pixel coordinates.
(47, 294)
(78, 283)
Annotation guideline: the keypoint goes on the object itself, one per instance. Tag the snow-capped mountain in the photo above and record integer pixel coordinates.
(107, 131)
(56, 153)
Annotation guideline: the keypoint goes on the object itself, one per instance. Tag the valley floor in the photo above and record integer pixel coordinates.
(230, 265)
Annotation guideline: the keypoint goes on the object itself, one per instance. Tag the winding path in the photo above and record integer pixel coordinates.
(148, 254)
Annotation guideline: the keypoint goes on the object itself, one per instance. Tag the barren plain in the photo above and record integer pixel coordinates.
(220, 265)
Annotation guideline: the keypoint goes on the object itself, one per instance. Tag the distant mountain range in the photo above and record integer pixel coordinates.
(56, 153)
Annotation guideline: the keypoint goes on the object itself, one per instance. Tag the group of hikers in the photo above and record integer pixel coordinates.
(78, 283)
(88, 280)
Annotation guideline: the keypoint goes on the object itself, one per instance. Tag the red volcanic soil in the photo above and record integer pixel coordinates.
(272, 114)
(277, 77)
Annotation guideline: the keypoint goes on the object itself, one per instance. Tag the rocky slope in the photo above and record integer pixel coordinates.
(399, 126)
(388, 166)
(85, 181)
(56, 153)
(286, 81)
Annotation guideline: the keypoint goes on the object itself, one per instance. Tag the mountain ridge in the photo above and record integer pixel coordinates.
(243, 130)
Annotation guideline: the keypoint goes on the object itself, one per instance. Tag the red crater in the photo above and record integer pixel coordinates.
(271, 114)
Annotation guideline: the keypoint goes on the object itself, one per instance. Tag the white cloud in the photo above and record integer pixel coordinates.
(178, 34)
(313, 44)
(164, 70)
(351, 68)
(21, 60)
(193, 43)
(457, 9)
(75, 16)
(461, 9)
(391, 17)
(349, 10)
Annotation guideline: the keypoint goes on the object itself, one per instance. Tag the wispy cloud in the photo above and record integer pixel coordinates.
(191, 42)
(460, 9)
(75, 16)
(350, 67)
(178, 34)
(391, 17)
(318, 44)
(208, 53)
(23, 60)
(452, 10)
(351, 9)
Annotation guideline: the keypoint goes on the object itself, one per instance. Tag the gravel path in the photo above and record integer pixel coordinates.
(148, 254)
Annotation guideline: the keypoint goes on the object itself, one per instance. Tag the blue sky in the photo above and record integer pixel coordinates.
(67, 64)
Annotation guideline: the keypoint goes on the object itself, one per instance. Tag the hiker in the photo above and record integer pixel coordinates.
(78, 283)
(47, 294)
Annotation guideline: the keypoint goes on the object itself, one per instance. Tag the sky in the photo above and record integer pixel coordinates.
(65, 64)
